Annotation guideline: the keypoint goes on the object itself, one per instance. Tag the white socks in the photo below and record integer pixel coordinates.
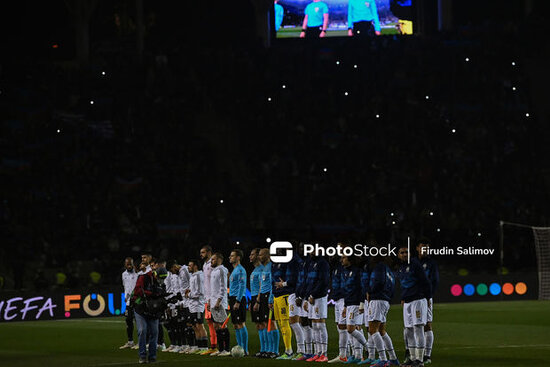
(308, 336)
(322, 337)
(429, 342)
(343, 342)
(420, 341)
(379, 344)
(389, 346)
(410, 342)
(299, 333)
(371, 348)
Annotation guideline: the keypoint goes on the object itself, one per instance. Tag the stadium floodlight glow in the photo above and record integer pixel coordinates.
(324, 169)
(479, 234)
(345, 93)
(467, 59)
(431, 213)
(58, 131)
(377, 116)
(427, 97)
(91, 102)
(237, 243)
(513, 63)
(393, 222)
(102, 73)
(269, 99)
(527, 114)
(268, 240)
(453, 131)
(469, 289)
(355, 66)
(513, 88)
(221, 201)
(284, 86)
(337, 62)
(439, 229)
(391, 214)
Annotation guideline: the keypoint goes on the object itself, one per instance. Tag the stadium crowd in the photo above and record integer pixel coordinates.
(232, 143)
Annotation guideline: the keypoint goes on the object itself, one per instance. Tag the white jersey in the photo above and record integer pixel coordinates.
(207, 269)
(218, 284)
(169, 282)
(184, 277)
(196, 292)
(129, 279)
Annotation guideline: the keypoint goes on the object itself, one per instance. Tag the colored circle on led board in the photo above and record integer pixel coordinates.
(482, 289)
(469, 289)
(495, 289)
(521, 288)
(456, 290)
(507, 288)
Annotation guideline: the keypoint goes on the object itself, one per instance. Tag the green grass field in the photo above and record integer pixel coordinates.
(515, 333)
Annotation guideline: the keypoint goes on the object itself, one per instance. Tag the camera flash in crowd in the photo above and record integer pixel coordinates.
(467, 59)
(355, 66)
(268, 240)
(284, 86)
(513, 88)
(427, 97)
(391, 214)
(221, 201)
(377, 116)
(345, 93)
(237, 243)
(102, 73)
(513, 63)
(337, 62)
(527, 114)
(269, 99)
(393, 222)
(453, 131)
(91, 102)
(439, 230)
(324, 169)
(431, 213)
(58, 131)
(479, 234)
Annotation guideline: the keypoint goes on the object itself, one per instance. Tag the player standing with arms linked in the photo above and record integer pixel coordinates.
(337, 294)
(218, 303)
(432, 272)
(415, 293)
(196, 302)
(281, 292)
(315, 22)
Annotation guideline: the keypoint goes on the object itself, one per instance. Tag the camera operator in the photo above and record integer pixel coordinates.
(149, 304)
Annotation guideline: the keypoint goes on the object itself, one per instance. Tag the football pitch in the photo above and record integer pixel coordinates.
(514, 333)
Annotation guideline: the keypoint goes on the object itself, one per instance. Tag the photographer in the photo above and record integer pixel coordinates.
(149, 304)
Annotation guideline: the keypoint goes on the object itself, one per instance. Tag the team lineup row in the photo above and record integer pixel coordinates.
(286, 299)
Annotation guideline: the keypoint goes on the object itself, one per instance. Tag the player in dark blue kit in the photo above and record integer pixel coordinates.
(353, 301)
(432, 272)
(381, 290)
(337, 293)
(301, 308)
(316, 291)
(365, 281)
(416, 290)
(290, 282)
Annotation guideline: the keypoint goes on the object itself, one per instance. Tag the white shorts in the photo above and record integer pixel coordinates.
(415, 313)
(378, 310)
(303, 312)
(318, 310)
(293, 309)
(431, 310)
(353, 316)
(338, 308)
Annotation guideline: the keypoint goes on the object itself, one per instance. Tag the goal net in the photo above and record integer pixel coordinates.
(541, 236)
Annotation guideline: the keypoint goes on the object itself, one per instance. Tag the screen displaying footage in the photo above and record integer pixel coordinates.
(342, 18)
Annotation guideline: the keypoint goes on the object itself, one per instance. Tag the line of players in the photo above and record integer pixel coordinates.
(297, 295)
